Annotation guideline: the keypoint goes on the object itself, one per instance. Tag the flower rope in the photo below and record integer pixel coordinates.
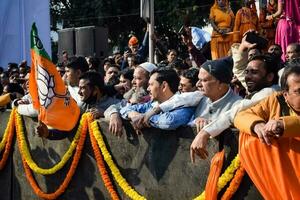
(24, 149)
(225, 177)
(61, 189)
(128, 190)
(234, 184)
(8, 137)
(7, 130)
(101, 165)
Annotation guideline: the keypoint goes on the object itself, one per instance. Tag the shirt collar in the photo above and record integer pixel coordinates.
(223, 99)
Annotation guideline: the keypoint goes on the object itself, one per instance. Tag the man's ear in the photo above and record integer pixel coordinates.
(285, 93)
(164, 85)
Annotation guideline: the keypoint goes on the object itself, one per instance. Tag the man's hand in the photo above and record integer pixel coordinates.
(126, 55)
(115, 124)
(198, 146)
(187, 38)
(274, 127)
(245, 45)
(23, 101)
(137, 122)
(42, 130)
(200, 123)
(121, 88)
(262, 134)
(149, 114)
(269, 17)
(96, 113)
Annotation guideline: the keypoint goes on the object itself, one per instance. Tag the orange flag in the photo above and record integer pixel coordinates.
(49, 94)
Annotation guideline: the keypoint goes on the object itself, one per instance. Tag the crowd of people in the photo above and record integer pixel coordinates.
(192, 91)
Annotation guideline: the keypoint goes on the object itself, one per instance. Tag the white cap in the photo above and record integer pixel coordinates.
(149, 67)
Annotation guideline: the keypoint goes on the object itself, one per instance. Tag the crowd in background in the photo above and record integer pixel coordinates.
(177, 90)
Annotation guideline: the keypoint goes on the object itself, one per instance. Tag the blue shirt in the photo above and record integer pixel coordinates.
(165, 120)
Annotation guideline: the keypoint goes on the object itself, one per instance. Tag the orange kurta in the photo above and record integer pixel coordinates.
(275, 169)
(220, 45)
(245, 20)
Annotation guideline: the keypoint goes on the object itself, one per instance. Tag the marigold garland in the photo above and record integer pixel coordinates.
(225, 177)
(96, 139)
(24, 150)
(101, 165)
(128, 190)
(61, 189)
(8, 137)
(234, 184)
(7, 130)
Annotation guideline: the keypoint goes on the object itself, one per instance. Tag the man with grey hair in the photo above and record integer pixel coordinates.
(140, 80)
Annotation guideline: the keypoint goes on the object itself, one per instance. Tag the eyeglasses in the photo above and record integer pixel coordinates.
(295, 92)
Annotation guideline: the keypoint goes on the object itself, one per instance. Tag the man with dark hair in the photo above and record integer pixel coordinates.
(65, 57)
(4, 78)
(93, 63)
(61, 69)
(188, 80)
(292, 51)
(261, 72)
(111, 73)
(291, 67)
(75, 67)
(93, 95)
(126, 76)
(276, 51)
(253, 52)
(163, 85)
(11, 66)
(10, 92)
(178, 65)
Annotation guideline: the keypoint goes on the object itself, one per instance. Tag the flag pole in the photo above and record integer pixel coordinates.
(151, 32)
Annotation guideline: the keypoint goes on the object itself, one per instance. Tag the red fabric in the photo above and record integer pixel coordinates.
(133, 41)
(211, 191)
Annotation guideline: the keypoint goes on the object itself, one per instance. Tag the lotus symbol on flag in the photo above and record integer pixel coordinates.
(45, 84)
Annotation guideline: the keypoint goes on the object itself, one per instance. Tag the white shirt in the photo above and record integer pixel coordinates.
(225, 120)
